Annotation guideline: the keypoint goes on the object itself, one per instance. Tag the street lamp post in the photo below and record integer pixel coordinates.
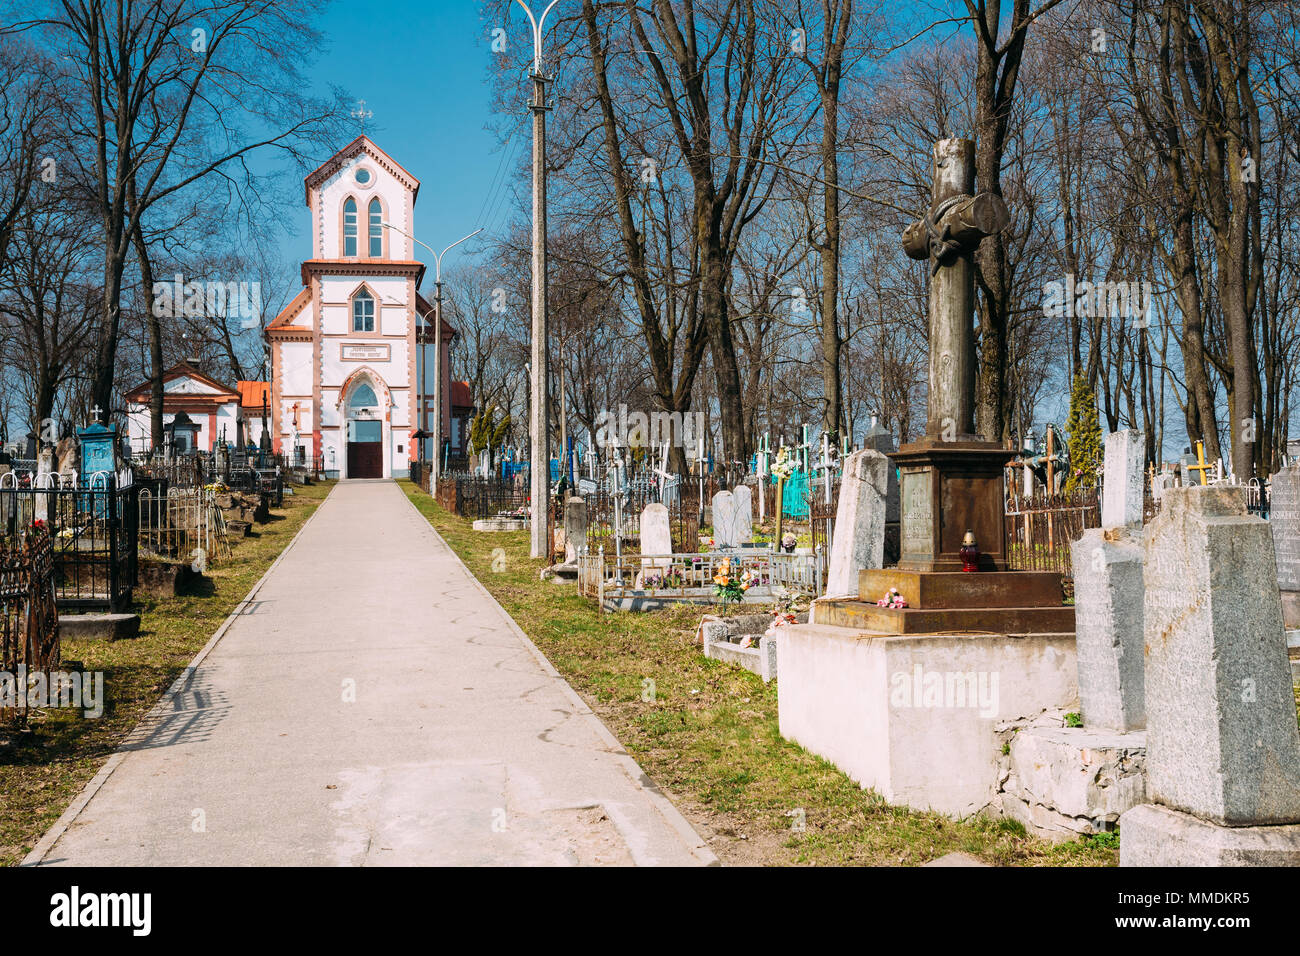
(437, 346)
(539, 407)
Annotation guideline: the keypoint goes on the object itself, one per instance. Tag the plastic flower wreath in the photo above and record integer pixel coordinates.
(783, 467)
(892, 599)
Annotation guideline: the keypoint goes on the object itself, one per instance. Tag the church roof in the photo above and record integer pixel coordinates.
(140, 394)
(290, 311)
(362, 144)
(254, 394)
(461, 396)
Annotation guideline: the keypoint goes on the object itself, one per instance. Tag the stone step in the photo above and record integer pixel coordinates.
(98, 627)
(957, 589)
(994, 620)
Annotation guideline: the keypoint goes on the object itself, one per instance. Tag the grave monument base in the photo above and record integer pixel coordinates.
(919, 718)
(949, 488)
(1154, 835)
(1004, 602)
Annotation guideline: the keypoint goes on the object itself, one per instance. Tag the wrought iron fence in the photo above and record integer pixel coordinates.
(180, 522)
(1040, 528)
(605, 576)
(29, 620)
(94, 534)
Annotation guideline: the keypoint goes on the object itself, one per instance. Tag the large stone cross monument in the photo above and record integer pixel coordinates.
(951, 479)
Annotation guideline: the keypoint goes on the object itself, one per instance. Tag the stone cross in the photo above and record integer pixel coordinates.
(1122, 485)
(948, 236)
(362, 114)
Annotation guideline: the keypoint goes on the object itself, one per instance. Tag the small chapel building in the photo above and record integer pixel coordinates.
(352, 356)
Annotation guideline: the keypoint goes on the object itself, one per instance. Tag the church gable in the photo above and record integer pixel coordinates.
(352, 196)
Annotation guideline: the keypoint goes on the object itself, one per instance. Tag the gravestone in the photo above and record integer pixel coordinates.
(860, 517)
(1284, 520)
(98, 450)
(1223, 752)
(1122, 485)
(724, 524)
(1108, 596)
(879, 439)
(575, 528)
(742, 502)
(656, 537)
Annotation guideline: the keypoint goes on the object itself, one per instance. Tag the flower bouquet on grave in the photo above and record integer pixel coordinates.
(788, 541)
(731, 582)
(892, 599)
(789, 605)
(783, 467)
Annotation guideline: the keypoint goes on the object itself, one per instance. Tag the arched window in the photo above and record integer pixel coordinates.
(350, 227)
(363, 396)
(376, 229)
(363, 312)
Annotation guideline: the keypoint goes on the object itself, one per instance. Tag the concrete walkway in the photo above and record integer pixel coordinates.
(371, 704)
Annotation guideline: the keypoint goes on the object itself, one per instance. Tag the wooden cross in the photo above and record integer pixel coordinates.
(1201, 466)
(948, 235)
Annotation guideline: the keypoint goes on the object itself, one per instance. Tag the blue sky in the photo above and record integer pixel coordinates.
(430, 97)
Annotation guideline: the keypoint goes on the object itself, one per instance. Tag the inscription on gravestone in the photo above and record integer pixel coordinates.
(1284, 519)
(918, 521)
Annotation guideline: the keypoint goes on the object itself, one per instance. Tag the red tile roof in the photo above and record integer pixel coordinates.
(254, 394)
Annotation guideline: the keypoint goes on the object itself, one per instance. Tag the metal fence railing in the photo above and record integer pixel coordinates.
(29, 620)
(94, 534)
(183, 524)
(1040, 527)
(605, 576)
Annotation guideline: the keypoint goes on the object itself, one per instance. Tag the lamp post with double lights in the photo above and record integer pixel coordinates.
(539, 407)
(437, 345)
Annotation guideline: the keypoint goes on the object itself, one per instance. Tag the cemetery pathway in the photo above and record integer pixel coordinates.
(371, 704)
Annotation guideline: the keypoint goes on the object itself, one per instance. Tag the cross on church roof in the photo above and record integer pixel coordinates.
(362, 114)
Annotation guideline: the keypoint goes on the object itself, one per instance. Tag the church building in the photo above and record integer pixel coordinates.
(352, 356)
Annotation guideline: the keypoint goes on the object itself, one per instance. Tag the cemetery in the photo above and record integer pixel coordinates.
(841, 434)
(981, 641)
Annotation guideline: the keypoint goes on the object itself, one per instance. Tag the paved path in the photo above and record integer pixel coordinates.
(463, 745)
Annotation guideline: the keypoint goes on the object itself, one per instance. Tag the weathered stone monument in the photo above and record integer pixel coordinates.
(859, 541)
(952, 480)
(742, 515)
(574, 535)
(656, 537)
(724, 524)
(907, 687)
(1284, 519)
(879, 439)
(1223, 752)
(1063, 782)
(1108, 595)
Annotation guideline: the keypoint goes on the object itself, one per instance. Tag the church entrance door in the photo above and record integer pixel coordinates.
(365, 450)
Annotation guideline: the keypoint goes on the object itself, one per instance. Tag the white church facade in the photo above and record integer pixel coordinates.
(352, 360)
